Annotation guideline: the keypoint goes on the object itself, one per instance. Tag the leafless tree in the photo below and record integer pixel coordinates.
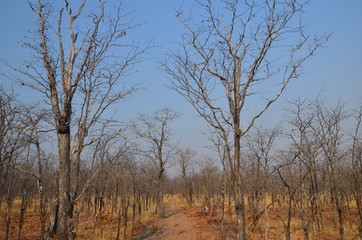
(210, 181)
(292, 179)
(12, 145)
(356, 157)
(185, 162)
(11, 130)
(156, 131)
(228, 56)
(32, 120)
(329, 121)
(260, 143)
(304, 142)
(79, 66)
(219, 146)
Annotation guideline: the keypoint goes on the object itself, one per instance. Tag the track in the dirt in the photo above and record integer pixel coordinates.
(176, 225)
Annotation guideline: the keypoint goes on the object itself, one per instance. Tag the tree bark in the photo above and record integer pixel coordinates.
(64, 187)
(240, 213)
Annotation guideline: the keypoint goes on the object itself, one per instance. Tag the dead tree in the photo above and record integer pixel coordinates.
(227, 56)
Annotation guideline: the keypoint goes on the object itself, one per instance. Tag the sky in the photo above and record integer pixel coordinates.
(336, 70)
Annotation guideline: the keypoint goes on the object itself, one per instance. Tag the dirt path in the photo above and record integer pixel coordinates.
(176, 225)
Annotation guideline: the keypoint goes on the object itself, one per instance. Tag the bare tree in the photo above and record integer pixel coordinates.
(185, 163)
(12, 145)
(260, 144)
(81, 65)
(356, 157)
(234, 49)
(219, 146)
(292, 179)
(210, 181)
(329, 121)
(156, 131)
(32, 120)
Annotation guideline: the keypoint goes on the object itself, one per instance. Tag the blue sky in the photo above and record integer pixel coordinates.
(336, 70)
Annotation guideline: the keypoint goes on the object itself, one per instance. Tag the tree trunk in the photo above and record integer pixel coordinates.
(125, 204)
(240, 213)
(53, 221)
(22, 211)
(159, 201)
(287, 227)
(118, 236)
(64, 187)
(42, 210)
(340, 217)
(9, 203)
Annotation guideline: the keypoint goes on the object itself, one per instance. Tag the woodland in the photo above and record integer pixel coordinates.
(68, 170)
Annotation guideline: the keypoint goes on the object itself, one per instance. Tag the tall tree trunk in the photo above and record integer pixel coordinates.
(24, 199)
(40, 191)
(64, 186)
(159, 200)
(240, 213)
(119, 218)
(42, 212)
(287, 227)
(339, 206)
(125, 205)
(237, 180)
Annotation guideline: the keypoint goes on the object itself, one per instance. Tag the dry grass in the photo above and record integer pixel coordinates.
(102, 226)
(207, 225)
(270, 225)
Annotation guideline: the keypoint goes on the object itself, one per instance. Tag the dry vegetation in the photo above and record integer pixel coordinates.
(102, 225)
(68, 170)
(207, 216)
(311, 190)
(209, 224)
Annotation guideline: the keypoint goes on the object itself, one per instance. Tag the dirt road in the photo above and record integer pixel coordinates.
(176, 225)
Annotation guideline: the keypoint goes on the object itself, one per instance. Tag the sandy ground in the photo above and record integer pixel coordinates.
(176, 225)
